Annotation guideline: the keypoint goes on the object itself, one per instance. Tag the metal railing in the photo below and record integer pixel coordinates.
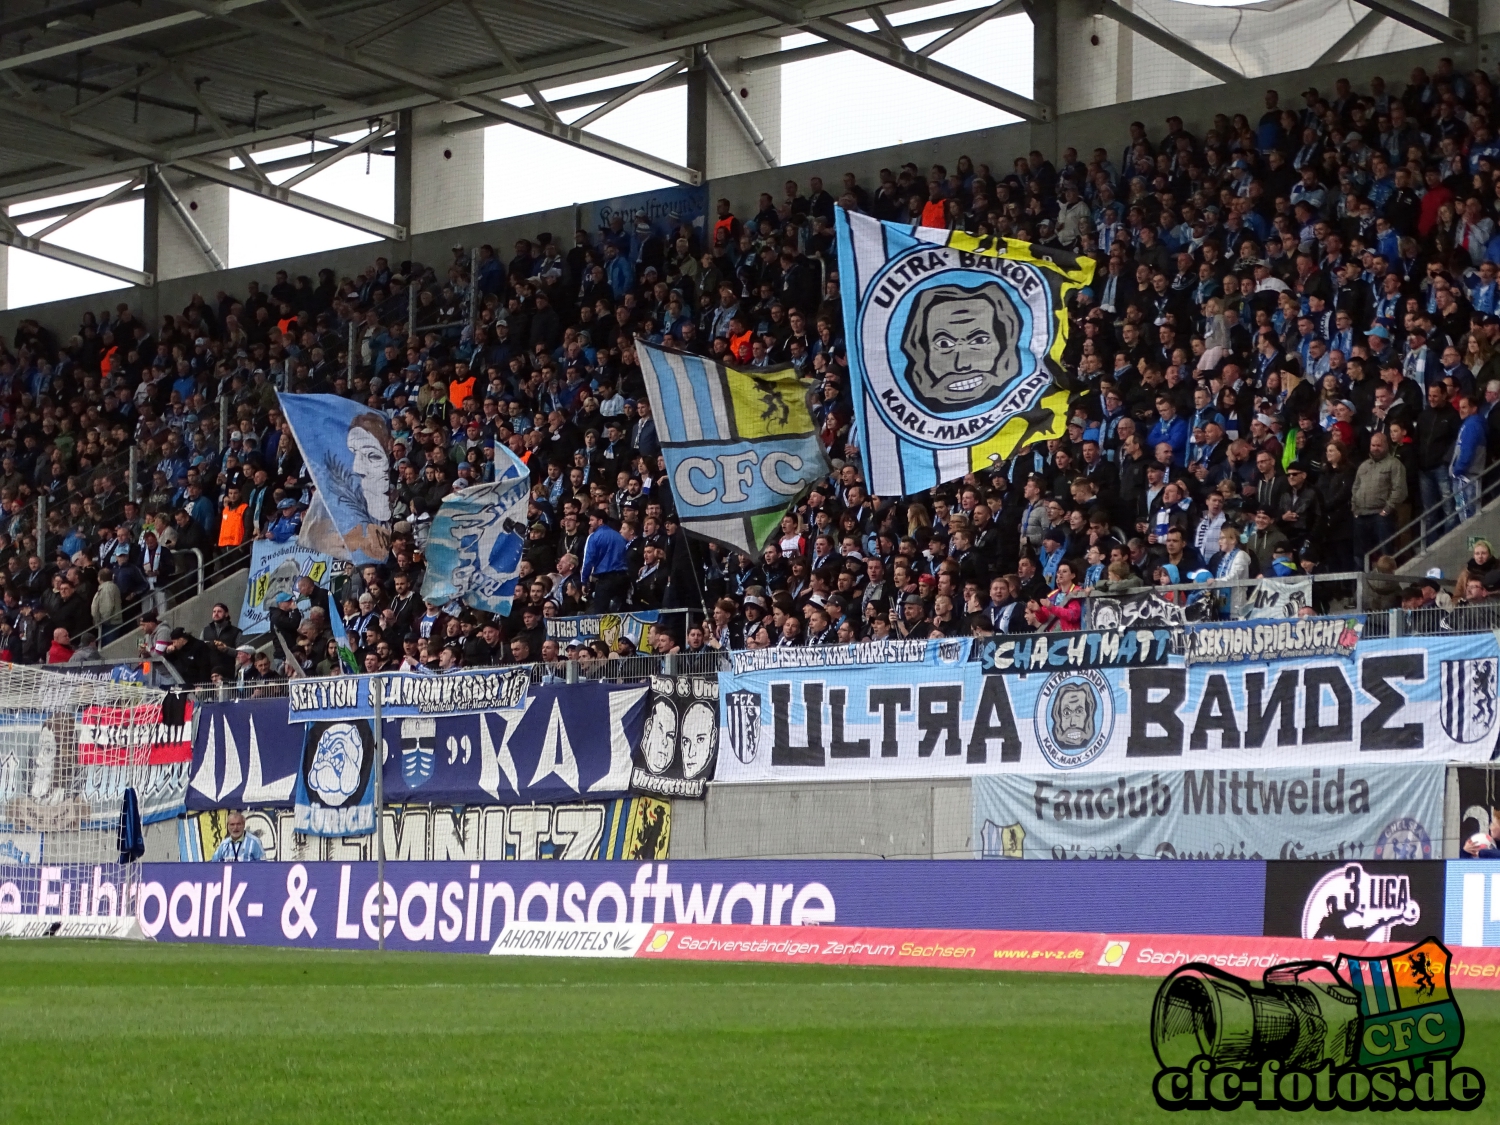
(589, 670)
(1355, 593)
(1414, 531)
(1230, 599)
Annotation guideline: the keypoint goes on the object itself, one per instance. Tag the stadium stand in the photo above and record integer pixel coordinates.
(1288, 356)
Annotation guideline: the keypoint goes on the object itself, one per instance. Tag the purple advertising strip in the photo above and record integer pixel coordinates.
(462, 907)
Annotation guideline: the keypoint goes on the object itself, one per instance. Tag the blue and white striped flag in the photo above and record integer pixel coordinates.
(740, 443)
(955, 348)
(477, 538)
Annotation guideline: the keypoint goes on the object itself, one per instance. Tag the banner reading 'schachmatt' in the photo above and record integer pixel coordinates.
(955, 346)
(740, 445)
(347, 449)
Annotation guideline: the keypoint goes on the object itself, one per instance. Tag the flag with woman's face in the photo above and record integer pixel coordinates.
(346, 447)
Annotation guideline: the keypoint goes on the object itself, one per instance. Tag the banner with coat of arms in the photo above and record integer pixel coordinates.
(1392, 701)
(740, 444)
(955, 348)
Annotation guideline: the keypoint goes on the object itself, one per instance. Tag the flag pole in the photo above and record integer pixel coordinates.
(379, 768)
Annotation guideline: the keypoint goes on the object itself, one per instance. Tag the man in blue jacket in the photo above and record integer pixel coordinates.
(604, 565)
(1171, 429)
(1467, 465)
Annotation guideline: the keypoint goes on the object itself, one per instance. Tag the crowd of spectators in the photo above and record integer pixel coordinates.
(1289, 351)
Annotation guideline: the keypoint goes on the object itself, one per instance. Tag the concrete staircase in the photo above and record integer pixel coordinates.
(192, 614)
(1453, 549)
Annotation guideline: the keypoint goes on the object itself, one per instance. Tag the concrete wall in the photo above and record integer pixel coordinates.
(170, 249)
(439, 176)
(827, 820)
(1107, 126)
(728, 149)
(1451, 551)
(1084, 129)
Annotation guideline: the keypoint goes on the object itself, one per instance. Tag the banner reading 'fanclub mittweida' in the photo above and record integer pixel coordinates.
(1397, 700)
(955, 348)
(1365, 810)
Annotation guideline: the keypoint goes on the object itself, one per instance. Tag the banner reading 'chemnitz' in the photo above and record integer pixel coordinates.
(1427, 699)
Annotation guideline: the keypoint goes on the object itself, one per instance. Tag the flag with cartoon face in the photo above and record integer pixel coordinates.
(955, 348)
(335, 793)
(347, 450)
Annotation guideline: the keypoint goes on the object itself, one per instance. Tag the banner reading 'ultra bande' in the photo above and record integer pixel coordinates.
(1398, 700)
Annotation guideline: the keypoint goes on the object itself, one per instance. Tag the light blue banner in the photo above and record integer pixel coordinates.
(934, 654)
(405, 694)
(1362, 811)
(274, 569)
(347, 449)
(1398, 700)
(475, 545)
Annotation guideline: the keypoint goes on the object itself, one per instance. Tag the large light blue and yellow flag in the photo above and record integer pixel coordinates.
(955, 348)
(740, 444)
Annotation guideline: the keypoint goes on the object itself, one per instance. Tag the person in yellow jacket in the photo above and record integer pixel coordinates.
(233, 520)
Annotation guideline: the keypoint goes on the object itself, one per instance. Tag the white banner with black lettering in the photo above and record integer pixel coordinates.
(1402, 700)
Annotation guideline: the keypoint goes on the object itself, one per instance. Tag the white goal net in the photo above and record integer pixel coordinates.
(70, 747)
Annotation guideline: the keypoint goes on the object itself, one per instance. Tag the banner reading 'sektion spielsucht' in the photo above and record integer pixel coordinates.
(955, 348)
(1396, 700)
(1366, 810)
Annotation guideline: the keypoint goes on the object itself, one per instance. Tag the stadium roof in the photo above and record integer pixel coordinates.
(98, 88)
(107, 92)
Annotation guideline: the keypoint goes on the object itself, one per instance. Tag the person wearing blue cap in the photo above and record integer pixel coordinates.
(288, 522)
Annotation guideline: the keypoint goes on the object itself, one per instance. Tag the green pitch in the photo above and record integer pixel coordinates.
(136, 1032)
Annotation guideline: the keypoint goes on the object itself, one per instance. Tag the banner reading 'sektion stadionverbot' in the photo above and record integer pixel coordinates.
(1397, 700)
(955, 343)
